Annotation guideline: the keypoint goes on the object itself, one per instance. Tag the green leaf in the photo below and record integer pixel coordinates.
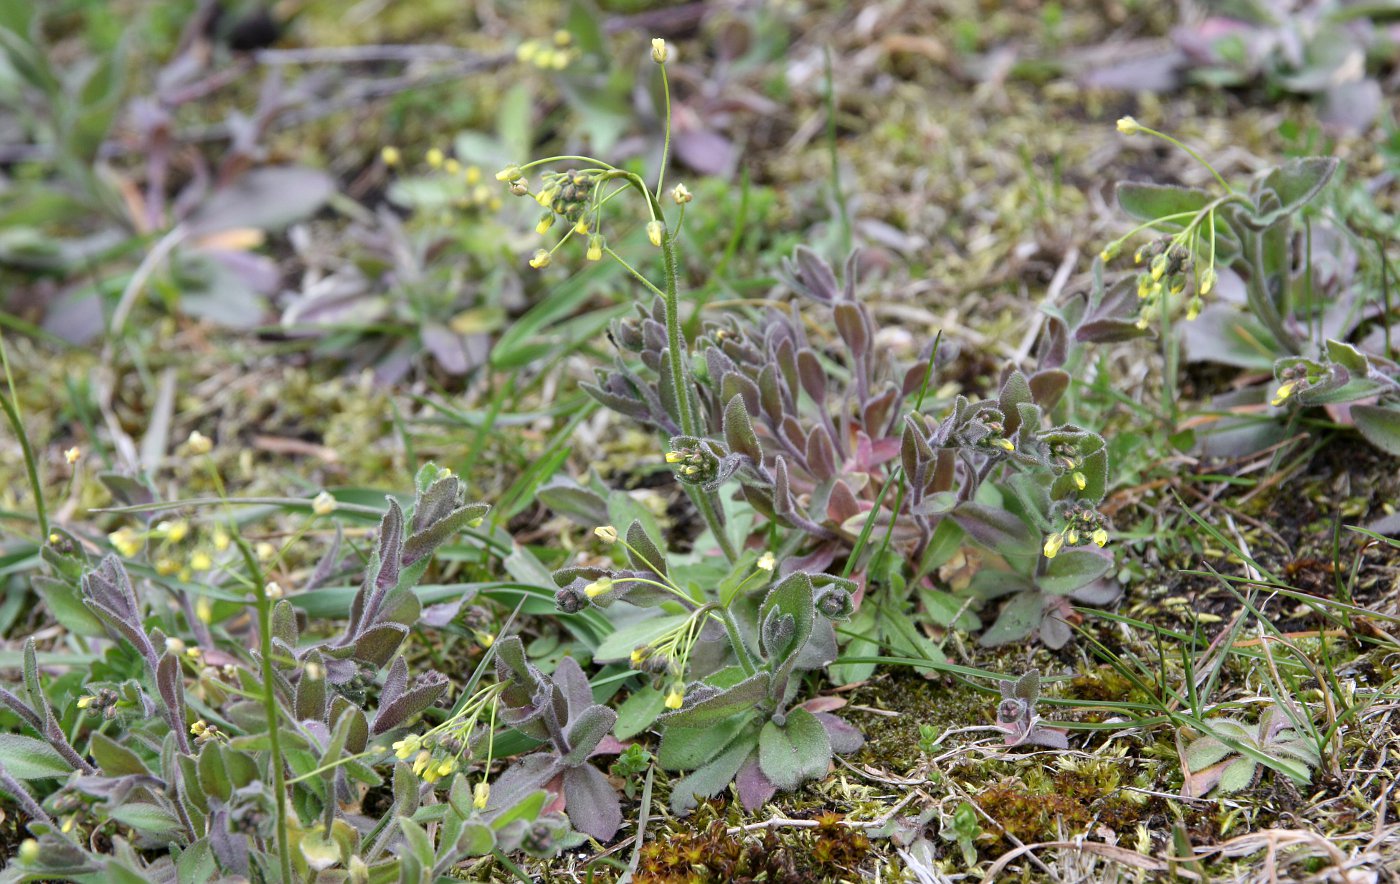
(741, 698)
(148, 819)
(996, 528)
(29, 759)
(1019, 617)
(639, 711)
(686, 748)
(795, 752)
(710, 779)
(1072, 569)
(1238, 775)
(1296, 183)
(587, 732)
(1380, 425)
(1147, 202)
(115, 759)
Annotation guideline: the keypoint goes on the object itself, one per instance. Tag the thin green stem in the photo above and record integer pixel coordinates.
(271, 710)
(31, 466)
(607, 250)
(666, 146)
(1195, 156)
(737, 641)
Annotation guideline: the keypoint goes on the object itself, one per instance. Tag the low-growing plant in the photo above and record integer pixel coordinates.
(1016, 714)
(244, 762)
(1290, 290)
(728, 660)
(1227, 757)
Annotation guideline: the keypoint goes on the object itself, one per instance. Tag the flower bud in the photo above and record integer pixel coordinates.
(659, 50)
(654, 231)
(681, 194)
(606, 533)
(540, 260)
(323, 504)
(1129, 126)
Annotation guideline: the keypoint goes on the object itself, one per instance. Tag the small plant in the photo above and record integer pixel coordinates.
(729, 664)
(1227, 756)
(560, 712)
(1016, 714)
(246, 760)
(1288, 293)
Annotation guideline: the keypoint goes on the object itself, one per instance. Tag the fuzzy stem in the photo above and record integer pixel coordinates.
(30, 465)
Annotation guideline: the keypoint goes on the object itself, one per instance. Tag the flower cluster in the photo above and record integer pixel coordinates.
(440, 751)
(1081, 524)
(554, 55)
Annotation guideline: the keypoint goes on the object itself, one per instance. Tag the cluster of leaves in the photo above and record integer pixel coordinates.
(1325, 49)
(77, 217)
(836, 447)
(283, 736)
(1228, 756)
(730, 656)
(1291, 291)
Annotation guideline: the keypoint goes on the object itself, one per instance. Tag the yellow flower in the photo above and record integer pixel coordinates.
(435, 158)
(1100, 537)
(199, 443)
(174, 645)
(481, 795)
(1284, 391)
(174, 531)
(204, 609)
(126, 541)
(201, 561)
(472, 175)
(639, 655)
(595, 248)
(659, 50)
(598, 587)
(446, 767)
(1129, 126)
(273, 590)
(485, 639)
(681, 194)
(391, 156)
(546, 222)
(509, 173)
(1004, 443)
(1207, 281)
(72, 455)
(323, 504)
(675, 699)
(407, 746)
(546, 197)
(1158, 266)
(1053, 543)
(221, 540)
(767, 562)
(166, 567)
(540, 259)
(452, 167)
(581, 227)
(606, 533)
(420, 763)
(654, 231)
(85, 702)
(29, 851)
(199, 727)
(1079, 480)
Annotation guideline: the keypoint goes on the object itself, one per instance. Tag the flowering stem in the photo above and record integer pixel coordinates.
(11, 406)
(1195, 156)
(736, 640)
(271, 711)
(666, 146)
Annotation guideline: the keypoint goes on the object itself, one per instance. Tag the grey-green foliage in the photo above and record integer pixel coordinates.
(1227, 757)
(211, 796)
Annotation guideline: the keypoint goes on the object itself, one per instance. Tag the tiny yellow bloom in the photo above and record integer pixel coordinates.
(1072, 537)
(595, 248)
(1100, 537)
(598, 587)
(29, 851)
(204, 609)
(85, 702)
(323, 504)
(1284, 391)
(659, 50)
(540, 259)
(1207, 280)
(201, 561)
(1158, 266)
(481, 795)
(581, 227)
(675, 456)
(174, 531)
(606, 533)
(639, 655)
(1053, 543)
(199, 727)
(767, 562)
(1129, 126)
(166, 567)
(546, 222)
(54, 537)
(546, 197)
(681, 194)
(420, 763)
(199, 443)
(446, 767)
(221, 540)
(1079, 481)
(273, 590)
(509, 173)
(675, 699)
(390, 156)
(72, 455)
(435, 158)
(174, 645)
(1193, 309)
(1004, 443)
(452, 167)
(654, 231)
(485, 639)
(472, 175)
